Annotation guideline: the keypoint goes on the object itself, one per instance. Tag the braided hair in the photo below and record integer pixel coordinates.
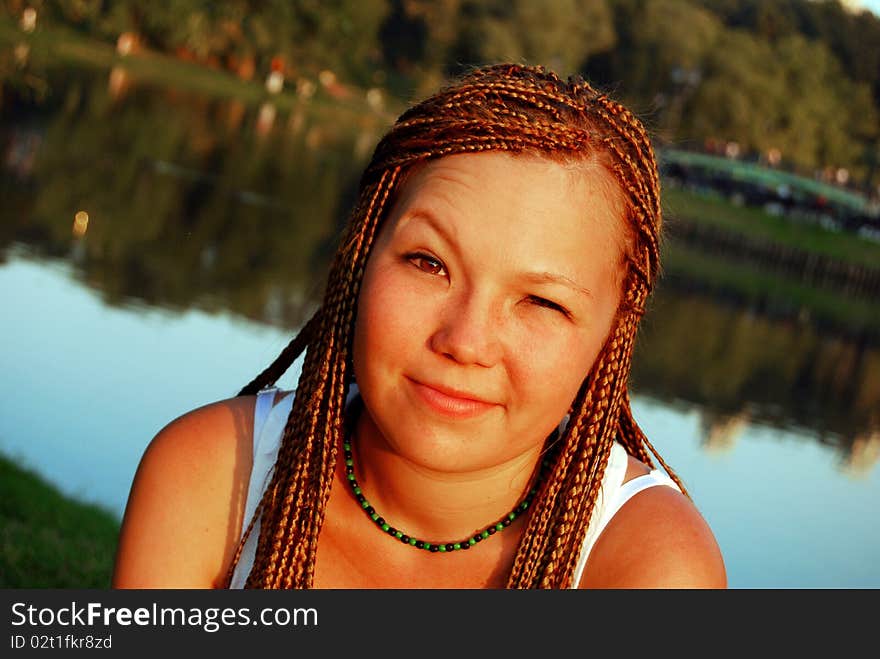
(520, 110)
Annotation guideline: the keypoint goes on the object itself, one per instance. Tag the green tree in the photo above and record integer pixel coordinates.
(660, 57)
(790, 95)
(560, 34)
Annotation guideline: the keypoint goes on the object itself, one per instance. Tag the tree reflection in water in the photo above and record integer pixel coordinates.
(218, 204)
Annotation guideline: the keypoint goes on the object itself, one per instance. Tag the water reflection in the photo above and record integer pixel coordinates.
(191, 201)
(166, 204)
(181, 201)
(741, 366)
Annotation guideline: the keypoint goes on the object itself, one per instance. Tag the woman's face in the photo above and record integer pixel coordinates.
(490, 291)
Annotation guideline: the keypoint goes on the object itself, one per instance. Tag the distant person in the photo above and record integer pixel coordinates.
(462, 418)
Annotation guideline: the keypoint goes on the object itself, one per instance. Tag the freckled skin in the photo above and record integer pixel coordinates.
(494, 275)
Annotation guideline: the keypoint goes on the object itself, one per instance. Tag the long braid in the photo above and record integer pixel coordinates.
(283, 361)
(509, 108)
(294, 502)
(593, 452)
(588, 445)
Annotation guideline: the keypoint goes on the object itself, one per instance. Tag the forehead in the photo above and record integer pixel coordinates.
(503, 193)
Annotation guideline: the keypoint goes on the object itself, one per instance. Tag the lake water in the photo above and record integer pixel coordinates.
(209, 227)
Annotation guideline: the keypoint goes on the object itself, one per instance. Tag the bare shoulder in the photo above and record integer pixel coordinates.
(184, 512)
(658, 539)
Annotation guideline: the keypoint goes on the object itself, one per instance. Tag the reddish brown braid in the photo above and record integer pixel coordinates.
(513, 108)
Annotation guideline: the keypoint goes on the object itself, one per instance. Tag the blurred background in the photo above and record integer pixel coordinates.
(174, 176)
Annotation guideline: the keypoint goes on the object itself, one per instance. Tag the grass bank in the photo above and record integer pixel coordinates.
(682, 205)
(48, 540)
(58, 45)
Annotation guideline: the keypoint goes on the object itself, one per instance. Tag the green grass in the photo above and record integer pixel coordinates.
(760, 225)
(48, 540)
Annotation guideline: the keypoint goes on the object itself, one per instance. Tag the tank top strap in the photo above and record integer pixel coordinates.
(613, 494)
(269, 423)
(265, 400)
(631, 488)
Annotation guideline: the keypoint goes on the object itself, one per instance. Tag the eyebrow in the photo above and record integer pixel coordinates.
(427, 217)
(554, 278)
(539, 277)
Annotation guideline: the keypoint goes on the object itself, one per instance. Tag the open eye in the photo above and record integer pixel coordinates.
(426, 263)
(549, 304)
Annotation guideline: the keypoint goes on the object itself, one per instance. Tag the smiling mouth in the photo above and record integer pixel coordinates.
(451, 402)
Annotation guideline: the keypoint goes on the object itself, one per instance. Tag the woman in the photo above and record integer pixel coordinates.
(462, 420)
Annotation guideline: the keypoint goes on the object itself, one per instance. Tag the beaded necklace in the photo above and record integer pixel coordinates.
(442, 547)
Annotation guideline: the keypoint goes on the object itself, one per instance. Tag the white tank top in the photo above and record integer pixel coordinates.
(269, 422)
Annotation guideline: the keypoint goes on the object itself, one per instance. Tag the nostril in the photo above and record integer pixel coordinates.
(465, 348)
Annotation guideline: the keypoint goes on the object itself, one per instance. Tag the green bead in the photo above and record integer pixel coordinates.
(457, 545)
(413, 541)
(398, 535)
(428, 546)
(485, 534)
(350, 477)
(385, 527)
(471, 541)
(374, 516)
(347, 446)
(349, 462)
(511, 516)
(442, 547)
(357, 490)
(365, 505)
(499, 526)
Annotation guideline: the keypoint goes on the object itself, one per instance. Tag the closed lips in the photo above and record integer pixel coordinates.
(451, 401)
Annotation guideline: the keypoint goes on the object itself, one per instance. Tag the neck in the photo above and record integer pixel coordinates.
(438, 506)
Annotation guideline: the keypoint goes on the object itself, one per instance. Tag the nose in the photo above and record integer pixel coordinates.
(468, 331)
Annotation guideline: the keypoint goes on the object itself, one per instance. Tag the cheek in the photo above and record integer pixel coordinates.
(565, 362)
(552, 369)
(387, 321)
